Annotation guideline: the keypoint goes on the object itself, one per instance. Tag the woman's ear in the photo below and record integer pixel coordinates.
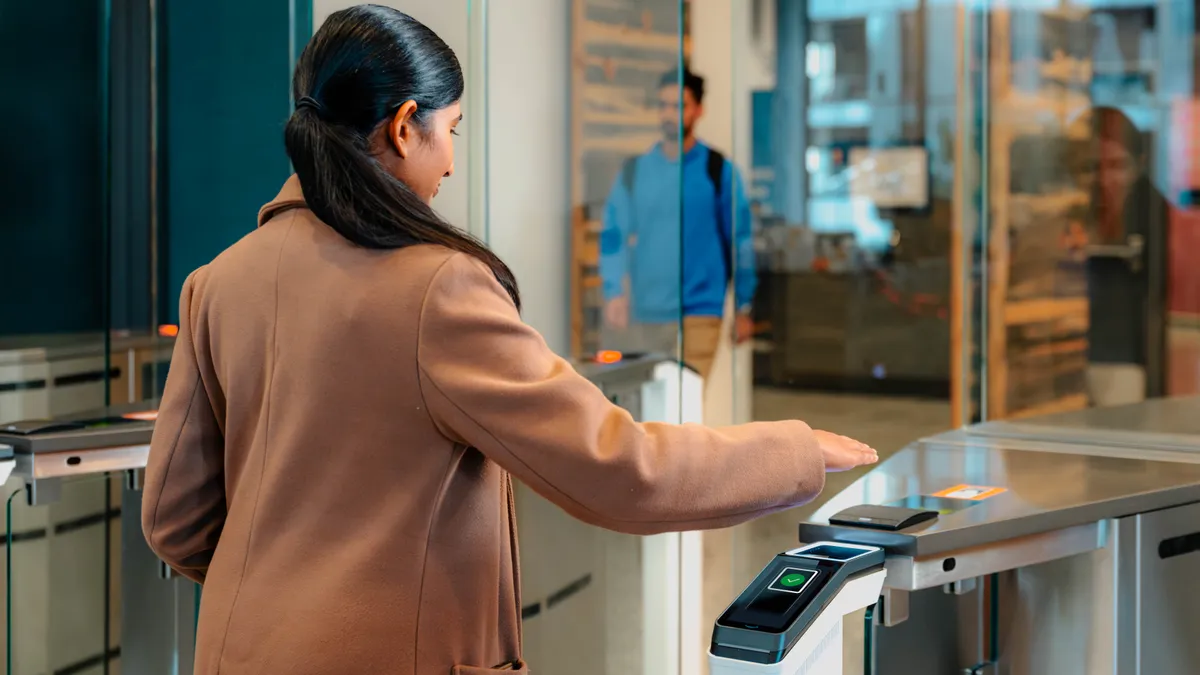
(401, 132)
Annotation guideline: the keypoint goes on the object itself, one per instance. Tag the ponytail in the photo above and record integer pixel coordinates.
(367, 60)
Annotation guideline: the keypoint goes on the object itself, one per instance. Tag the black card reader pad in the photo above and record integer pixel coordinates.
(876, 517)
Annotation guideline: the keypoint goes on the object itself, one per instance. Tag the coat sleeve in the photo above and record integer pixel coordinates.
(491, 382)
(183, 503)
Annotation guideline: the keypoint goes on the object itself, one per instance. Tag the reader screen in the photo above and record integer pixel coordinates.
(776, 600)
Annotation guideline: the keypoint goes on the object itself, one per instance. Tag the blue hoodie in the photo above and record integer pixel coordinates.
(644, 239)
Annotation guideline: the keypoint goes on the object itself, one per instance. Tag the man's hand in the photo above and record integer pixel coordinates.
(743, 327)
(616, 312)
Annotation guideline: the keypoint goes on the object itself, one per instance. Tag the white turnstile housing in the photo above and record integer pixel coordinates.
(788, 620)
(672, 564)
(819, 650)
(634, 603)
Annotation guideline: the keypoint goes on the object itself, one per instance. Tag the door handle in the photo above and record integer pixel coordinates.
(1131, 251)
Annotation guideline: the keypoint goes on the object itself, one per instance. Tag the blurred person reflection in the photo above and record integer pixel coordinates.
(664, 255)
(1126, 263)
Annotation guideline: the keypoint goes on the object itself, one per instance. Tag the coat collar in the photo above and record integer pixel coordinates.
(290, 197)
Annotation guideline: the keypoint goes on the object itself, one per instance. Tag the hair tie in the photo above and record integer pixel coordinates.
(309, 102)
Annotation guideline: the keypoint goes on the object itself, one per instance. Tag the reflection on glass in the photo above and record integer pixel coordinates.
(669, 239)
(79, 327)
(1090, 300)
(854, 180)
(626, 198)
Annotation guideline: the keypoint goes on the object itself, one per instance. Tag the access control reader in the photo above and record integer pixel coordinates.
(789, 619)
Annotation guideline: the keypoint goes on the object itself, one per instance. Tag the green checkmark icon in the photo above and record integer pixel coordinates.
(792, 580)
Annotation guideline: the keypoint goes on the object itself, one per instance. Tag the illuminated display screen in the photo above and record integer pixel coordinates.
(775, 602)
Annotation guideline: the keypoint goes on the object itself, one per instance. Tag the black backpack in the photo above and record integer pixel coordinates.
(716, 174)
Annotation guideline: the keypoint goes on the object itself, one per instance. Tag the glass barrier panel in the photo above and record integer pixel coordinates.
(852, 128)
(62, 570)
(1088, 181)
(79, 576)
(1060, 143)
(595, 601)
(1091, 198)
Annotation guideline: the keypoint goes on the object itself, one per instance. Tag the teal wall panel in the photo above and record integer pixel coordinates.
(226, 97)
(51, 178)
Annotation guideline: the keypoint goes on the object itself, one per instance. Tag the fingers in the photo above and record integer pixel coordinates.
(869, 454)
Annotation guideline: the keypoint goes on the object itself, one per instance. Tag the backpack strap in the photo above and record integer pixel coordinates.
(716, 170)
(716, 174)
(629, 179)
(629, 173)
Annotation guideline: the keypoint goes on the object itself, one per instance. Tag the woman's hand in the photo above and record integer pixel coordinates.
(842, 453)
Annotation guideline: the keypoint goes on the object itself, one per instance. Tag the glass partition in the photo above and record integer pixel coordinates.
(79, 328)
(62, 567)
(132, 156)
(589, 99)
(841, 117)
(963, 212)
(1090, 166)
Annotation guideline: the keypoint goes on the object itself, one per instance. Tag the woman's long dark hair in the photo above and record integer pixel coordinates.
(356, 72)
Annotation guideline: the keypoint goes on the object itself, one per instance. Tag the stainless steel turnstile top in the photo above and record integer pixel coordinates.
(1161, 423)
(1061, 481)
(98, 437)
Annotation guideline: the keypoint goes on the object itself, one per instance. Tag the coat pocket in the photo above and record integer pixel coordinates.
(514, 667)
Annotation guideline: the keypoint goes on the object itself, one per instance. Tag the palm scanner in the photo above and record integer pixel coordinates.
(789, 619)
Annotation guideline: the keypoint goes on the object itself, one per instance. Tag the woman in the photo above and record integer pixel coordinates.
(1126, 264)
(352, 387)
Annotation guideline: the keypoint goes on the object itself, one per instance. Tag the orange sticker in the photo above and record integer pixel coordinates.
(608, 356)
(148, 416)
(975, 493)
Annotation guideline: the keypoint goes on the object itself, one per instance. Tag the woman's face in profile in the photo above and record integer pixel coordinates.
(1116, 169)
(428, 152)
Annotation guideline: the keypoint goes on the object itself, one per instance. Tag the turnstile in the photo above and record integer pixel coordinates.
(157, 611)
(65, 374)
(1067, 545)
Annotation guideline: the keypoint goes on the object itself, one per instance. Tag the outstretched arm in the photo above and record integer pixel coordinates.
(490, 382)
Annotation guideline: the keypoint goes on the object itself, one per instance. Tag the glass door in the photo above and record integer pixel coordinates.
(1081, 181)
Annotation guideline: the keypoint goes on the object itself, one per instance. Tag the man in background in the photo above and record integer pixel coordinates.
(677, 233)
